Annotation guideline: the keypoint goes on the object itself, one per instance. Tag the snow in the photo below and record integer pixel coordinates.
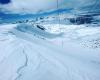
(27, 53)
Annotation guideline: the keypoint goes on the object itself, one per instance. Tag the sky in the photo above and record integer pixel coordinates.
(38, 6)
(5, 1)
(17, 6)
(35, 6)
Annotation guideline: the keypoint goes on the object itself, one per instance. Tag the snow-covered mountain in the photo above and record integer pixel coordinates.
(27, 52)
(49, 40)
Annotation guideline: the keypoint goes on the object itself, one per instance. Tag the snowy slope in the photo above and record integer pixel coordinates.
(25, 56)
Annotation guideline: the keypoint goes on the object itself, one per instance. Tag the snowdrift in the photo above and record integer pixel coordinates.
(25, 56)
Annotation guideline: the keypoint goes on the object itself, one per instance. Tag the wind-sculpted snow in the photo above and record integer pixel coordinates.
(24, 56)
(35, 30)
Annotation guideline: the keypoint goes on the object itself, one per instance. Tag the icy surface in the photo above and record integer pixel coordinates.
(26, 54)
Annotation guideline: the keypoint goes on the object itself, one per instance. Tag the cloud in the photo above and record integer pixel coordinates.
(36, 6)
(30, 6)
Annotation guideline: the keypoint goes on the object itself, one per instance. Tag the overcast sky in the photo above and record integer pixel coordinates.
(34, 6)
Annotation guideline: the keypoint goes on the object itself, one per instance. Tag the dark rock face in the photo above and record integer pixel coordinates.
(40, 27)
(86, 19)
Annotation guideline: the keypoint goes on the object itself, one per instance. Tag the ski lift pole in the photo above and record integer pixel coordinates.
(58, 12)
